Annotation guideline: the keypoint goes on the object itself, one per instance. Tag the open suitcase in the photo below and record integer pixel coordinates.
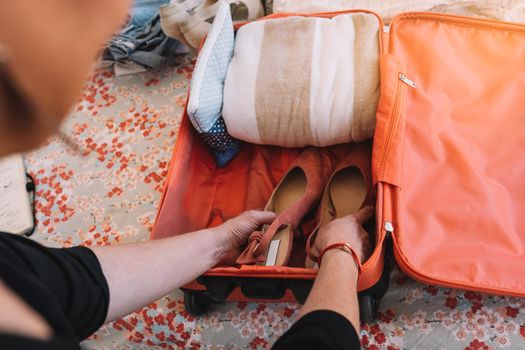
(447, 163)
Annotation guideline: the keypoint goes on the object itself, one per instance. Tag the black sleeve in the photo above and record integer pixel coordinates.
(320, 330)
(13, 342)
(62, 284)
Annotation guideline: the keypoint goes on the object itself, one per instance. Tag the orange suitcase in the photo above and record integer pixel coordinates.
(447, 164)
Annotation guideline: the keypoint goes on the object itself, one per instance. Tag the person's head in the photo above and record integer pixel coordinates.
(47, 49)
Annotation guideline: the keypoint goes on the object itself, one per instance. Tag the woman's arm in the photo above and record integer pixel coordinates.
(18, 318)
(330, 317)
(140, 273)
(335, 287)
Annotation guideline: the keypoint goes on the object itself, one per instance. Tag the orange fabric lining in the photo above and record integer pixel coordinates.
(196, 188)
(460, 217)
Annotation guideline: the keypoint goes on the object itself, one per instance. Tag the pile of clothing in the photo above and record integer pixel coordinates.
(287, 82)
(160, 30)
(142, 44)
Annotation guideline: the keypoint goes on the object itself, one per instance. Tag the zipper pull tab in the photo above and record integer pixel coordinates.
(389, 228)
(406, 80)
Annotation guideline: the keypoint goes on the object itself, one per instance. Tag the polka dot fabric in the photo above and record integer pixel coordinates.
(207, 85)
(217, 137)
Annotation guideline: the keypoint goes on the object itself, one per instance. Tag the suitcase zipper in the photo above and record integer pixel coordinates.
(395, 118)
(406, 80)
(405, 266)
(389, 230)
(412, 272)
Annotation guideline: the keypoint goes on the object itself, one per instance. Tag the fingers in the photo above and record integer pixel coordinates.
(260, 217)
(239, 228)
(364, 214)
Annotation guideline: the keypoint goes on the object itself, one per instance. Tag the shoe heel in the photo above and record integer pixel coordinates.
(289, 192)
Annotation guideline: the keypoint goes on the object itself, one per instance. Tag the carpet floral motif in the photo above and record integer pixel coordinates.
(107, 192)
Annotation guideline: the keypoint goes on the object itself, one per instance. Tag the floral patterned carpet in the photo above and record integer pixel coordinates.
(109, 194)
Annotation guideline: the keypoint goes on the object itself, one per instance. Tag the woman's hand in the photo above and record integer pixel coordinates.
(172, 262)
(235, 232)
(335, 287)
(348, 229)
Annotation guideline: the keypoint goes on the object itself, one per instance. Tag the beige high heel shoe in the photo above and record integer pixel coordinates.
(296, 195)
(348, 190)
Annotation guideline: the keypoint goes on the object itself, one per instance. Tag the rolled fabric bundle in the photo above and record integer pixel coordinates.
(300, 81)
(207, 86)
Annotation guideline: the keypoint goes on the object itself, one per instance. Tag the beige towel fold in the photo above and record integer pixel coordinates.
(301, 81)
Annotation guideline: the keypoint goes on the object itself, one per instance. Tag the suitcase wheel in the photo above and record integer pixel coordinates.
(368, 308)
(195, 304)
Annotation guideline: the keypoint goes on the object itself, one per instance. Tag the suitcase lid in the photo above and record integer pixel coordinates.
(448, 154)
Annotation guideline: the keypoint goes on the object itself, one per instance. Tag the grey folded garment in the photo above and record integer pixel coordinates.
(143, 11)
(147, 45)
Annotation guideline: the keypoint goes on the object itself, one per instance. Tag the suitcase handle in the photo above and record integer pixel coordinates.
(262, 290)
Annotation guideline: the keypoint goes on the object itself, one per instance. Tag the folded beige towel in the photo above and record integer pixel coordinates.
(301, 81)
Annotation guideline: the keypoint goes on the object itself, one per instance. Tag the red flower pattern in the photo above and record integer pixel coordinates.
(109, 193)
(477, 345)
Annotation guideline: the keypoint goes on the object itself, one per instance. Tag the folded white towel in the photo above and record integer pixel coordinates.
(301, 81)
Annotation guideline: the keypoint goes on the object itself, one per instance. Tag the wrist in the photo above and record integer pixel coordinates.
(345, 253)
(221, 243)
(339, 255)
(342, 262)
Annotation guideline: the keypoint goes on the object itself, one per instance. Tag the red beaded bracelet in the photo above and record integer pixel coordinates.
(346, 248)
